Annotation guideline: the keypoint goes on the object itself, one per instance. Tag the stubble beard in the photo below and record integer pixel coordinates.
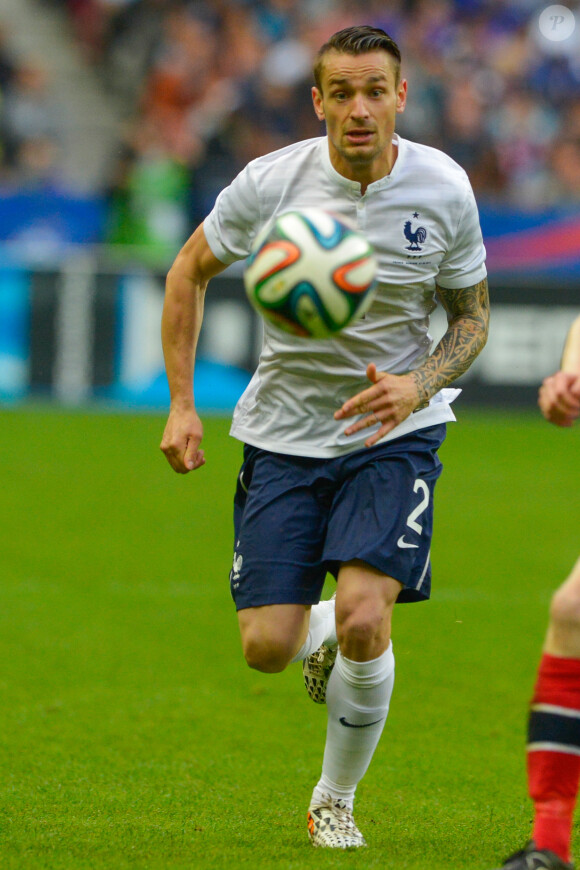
(356, 157)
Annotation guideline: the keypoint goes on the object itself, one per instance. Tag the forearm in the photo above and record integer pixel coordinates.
(180, 327)
(465, 338)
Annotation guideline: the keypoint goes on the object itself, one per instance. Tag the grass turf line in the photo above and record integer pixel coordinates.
(133, 736)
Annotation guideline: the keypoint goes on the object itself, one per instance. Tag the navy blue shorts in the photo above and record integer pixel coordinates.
(297, 519)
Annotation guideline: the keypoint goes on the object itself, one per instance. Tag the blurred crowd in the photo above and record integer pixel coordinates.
(209, 84)
(30, 121)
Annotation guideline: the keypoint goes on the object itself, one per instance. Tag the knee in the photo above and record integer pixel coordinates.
(363, 632)
(265, 654)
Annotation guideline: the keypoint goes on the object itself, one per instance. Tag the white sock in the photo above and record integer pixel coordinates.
(357, 699)
(322, 629)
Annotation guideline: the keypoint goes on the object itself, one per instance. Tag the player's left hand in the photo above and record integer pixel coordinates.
(389, 401)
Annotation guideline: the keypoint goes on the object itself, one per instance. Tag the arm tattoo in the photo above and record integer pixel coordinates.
(468, 315)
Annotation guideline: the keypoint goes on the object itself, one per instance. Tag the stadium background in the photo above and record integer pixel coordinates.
(120, 121)
(131, 733)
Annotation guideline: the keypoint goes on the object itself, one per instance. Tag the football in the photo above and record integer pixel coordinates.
(310, 273)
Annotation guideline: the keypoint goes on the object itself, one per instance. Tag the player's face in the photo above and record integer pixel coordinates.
(359, 101)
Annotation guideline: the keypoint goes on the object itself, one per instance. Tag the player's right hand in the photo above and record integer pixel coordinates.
(388, 401)
(559, 398)
(181, 440)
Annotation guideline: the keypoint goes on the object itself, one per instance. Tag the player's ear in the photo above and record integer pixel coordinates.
(401, 95)
(317, 102)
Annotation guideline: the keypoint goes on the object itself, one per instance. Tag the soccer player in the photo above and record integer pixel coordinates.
(554, 722)
(341, 435)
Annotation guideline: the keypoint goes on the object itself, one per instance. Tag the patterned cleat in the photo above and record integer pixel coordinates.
(331, 825)
(531, 858)
(317, 669)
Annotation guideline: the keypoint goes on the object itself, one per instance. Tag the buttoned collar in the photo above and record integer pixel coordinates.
(355, 186)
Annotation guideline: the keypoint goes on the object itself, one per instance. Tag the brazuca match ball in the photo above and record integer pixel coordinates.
(310, 273)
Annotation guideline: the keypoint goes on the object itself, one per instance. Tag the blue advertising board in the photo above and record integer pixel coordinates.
(78, 328)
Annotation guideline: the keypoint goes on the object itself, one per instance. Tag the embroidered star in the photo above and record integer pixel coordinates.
(415, 214)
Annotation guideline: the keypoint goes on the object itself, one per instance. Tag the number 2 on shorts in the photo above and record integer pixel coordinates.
(420, 486)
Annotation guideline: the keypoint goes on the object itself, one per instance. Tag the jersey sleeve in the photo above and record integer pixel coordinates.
(231, 225)
(464, 264)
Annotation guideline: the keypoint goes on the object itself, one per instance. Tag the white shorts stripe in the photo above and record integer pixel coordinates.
(557, 711)
(553, 747)
(422, 577)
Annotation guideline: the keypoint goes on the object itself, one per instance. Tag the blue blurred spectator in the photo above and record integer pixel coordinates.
(30, 121)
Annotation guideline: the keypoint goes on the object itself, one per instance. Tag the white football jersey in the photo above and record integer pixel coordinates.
(423, 223)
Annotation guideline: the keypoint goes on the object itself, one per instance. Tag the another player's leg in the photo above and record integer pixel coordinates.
(530, 858)
(358, 696)
(554, 736)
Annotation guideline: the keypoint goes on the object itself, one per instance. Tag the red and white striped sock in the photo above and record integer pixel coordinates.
(554, 752)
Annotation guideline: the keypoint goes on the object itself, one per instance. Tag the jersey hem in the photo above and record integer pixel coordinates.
(439, 412)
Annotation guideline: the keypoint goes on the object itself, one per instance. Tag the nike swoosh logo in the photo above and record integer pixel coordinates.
(404, 544)
(343, 721)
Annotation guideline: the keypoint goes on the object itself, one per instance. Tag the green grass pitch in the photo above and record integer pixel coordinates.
(132, 735)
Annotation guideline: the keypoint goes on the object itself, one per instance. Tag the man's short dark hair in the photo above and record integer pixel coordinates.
(359, 39)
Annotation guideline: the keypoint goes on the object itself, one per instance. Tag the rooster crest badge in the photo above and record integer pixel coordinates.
(415, 237)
